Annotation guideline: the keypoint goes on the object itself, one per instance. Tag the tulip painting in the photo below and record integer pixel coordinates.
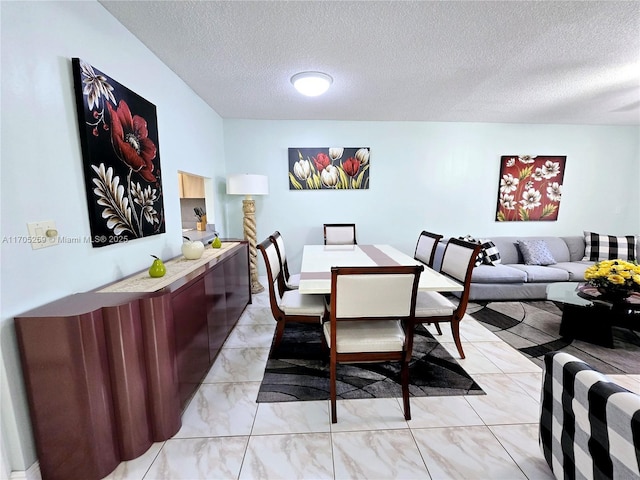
(334, 168)
(121, 159)
(530, 188)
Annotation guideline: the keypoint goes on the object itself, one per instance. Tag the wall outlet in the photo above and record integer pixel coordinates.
(42, 234)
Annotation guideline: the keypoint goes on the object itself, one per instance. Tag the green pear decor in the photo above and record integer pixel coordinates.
(217, 243)
(157, 268)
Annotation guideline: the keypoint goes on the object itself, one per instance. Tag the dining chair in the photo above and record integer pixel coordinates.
(291, 282)
(432, 307)
(371, 319)
(290, 305)
(340, 234)
(426, 247)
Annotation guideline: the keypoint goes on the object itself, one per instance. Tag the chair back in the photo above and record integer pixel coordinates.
(340, 234)
(274, 273)
(383, 292)
(426, 247)
(458, 262)
(276, 238)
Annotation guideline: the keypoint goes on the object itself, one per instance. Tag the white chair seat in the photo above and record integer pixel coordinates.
(292, 303)
(294, 281)
(433, 304)
(364, 336)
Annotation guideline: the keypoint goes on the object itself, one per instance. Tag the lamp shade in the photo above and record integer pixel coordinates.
(245, 184)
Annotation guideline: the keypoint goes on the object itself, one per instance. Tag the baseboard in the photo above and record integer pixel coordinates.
(31, 473)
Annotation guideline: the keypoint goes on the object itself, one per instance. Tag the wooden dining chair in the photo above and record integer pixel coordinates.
(290, 306)
(432, 307)
(426, 247)
(340, 234)
(371, 319)
(290, 282)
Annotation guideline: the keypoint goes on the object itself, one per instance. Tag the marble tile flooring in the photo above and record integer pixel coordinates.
(227, 435)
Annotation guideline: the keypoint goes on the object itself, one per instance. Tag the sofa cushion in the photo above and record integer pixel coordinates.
(542, 274)
(508, 249)
(535, 252)
(608, 247)
(574, 269)
(509, 252)
(575, 243)
(497, 274)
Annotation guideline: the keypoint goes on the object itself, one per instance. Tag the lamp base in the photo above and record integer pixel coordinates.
(256, 287)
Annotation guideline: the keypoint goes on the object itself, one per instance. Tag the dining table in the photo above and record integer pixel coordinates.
(317, 260)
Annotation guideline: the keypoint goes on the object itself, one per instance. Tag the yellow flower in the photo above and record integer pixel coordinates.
(618, 275)
(616, 279)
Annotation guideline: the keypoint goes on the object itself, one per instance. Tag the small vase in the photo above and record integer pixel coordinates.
(613, 295)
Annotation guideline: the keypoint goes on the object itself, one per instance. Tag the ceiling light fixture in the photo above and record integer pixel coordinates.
(311, 84)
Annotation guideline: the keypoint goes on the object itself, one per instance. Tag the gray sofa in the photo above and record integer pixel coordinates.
(513, 280)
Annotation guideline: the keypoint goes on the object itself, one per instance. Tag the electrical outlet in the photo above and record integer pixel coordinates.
(42, 234)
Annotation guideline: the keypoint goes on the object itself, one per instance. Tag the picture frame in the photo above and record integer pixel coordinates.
(329, 168)
(121, 158)
(530, 187)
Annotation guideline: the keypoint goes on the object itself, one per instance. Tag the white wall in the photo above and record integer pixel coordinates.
(441, 177)
(42, 175)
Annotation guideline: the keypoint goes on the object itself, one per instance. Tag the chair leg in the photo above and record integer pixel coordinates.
(325, 346)
(438, 329)
(455, 331)
(404, 375)
(279, 333)
(332, 390)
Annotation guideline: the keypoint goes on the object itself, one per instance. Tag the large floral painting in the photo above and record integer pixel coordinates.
(334, 168)
(119, 139)
(530, 188)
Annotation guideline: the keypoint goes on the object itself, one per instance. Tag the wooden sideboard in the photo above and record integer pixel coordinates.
(107, 374)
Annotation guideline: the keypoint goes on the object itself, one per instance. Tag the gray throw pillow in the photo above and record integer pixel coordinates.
(536, 252)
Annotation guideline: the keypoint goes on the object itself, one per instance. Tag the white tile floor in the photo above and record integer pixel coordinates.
(227, 435)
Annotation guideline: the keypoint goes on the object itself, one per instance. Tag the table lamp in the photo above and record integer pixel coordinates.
(248, 185)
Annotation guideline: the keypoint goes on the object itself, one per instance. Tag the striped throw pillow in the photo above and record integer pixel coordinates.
(608, 247)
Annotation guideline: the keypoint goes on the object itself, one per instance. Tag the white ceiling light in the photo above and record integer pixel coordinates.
(311, 84)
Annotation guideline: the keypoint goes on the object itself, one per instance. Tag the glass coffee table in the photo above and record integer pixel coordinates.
(587, 317)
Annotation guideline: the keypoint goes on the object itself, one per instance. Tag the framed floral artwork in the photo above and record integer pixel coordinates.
(329, 168)
(121, 158)
(530, 188)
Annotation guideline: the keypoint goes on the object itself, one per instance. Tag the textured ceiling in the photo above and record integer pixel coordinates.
(572, 62)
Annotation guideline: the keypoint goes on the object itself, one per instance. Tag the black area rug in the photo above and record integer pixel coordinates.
(533, 328)
(299, 370)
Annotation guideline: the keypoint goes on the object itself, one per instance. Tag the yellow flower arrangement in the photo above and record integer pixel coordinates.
(615, 276)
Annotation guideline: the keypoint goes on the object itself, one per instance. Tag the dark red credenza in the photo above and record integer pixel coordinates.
(108, 374)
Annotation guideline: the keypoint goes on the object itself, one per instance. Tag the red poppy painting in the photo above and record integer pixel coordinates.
(121, 159)
(530, 188)
(329, 168)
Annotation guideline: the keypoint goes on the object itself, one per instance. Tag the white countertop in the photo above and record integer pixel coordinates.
(176, 268)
